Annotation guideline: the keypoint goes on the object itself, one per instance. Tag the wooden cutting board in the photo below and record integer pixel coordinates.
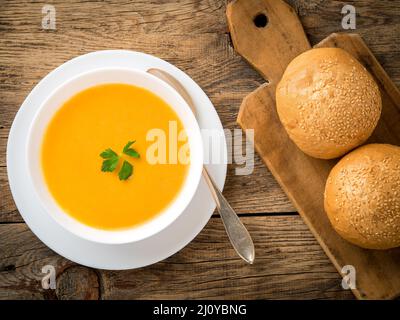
(268, 34)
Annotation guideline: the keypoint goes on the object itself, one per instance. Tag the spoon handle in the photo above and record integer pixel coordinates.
(237, 232)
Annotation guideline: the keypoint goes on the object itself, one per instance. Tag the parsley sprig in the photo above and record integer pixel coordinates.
(111, 160)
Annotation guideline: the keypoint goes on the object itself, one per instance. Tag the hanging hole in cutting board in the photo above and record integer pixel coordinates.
(260, 20)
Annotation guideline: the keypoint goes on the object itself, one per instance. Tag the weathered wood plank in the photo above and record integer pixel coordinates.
(122, 18)
(289, 264)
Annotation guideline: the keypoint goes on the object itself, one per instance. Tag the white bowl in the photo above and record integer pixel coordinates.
(114, 75)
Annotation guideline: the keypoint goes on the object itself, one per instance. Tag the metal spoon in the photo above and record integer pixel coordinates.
(237, 232)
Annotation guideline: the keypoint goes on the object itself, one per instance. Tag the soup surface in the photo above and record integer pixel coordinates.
(101, 117)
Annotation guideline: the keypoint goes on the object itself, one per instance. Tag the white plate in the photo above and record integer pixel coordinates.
(96, 255)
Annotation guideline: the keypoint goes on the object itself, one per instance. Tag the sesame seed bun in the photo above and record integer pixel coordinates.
(362, 196)
(327, 102)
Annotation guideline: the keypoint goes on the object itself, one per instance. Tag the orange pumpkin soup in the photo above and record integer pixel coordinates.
(101, 117)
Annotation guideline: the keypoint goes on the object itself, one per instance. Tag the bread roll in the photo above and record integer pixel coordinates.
(362, 196)
(327, 102)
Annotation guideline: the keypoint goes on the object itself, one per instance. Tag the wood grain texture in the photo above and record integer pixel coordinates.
(192, 34)
(118, 18)
(289, 264)
(272, 42)
(304, 182)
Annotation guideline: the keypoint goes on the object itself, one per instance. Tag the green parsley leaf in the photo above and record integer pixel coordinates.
(129, 144)
(132, 153)
(108, 153)
(109, 165)
(126, 171)
(129, 151)
(111, 160)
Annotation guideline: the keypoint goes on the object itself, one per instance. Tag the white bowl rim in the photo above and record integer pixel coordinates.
(154, 225)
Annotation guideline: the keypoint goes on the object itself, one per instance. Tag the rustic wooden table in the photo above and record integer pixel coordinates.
(192, 35)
